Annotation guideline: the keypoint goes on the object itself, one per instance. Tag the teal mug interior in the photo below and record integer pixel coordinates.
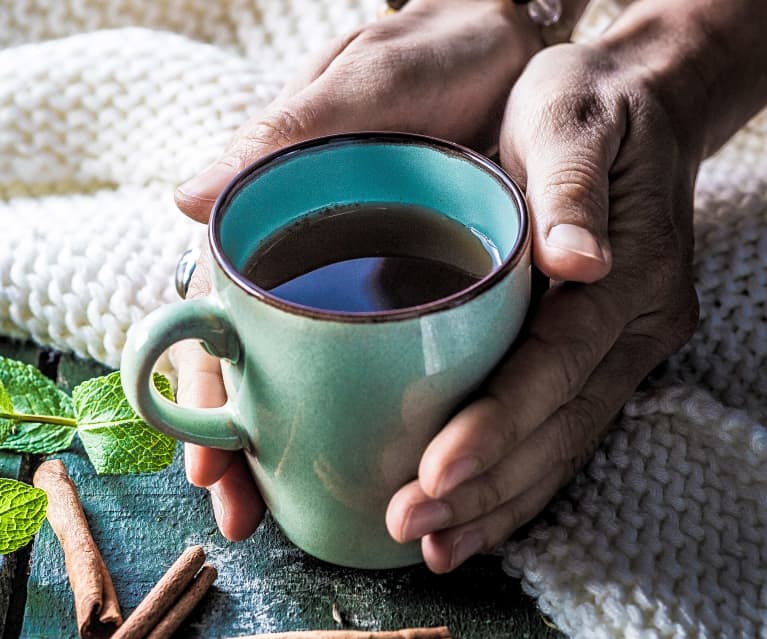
(367, 168)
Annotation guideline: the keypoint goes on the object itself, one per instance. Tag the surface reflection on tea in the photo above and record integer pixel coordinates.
(370, 258)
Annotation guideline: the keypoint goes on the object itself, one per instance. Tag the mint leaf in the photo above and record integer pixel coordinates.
(22, 511)
(116, 439)
(6, 406)
(32, 393)
(39, 439)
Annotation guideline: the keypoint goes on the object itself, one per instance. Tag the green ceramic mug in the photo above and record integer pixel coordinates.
(333, 409)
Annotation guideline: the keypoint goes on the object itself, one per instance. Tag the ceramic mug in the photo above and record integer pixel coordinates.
(334, 409)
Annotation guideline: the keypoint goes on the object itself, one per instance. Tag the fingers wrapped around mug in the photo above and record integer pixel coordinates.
(499, 461)
(236, 504)
(540, 417)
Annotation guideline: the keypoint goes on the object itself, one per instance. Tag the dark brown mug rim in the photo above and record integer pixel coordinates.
(221, 204)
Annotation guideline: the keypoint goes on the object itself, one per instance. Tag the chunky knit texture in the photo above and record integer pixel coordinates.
(664, 534)
(105, 106)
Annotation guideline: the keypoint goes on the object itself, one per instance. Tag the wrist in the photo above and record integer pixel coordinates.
(516, 17)
(554, 20)
(506, 26)
(702, 63)
(661, 62)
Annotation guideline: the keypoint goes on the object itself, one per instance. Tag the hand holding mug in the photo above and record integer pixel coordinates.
(610, 187)
(603, 143)
(334, 405)
(442, 68)
(401, 73)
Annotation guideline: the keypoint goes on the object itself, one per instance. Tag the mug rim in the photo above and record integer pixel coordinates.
(518, 249)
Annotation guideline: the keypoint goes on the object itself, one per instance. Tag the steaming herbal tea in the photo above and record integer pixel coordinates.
(370, 258)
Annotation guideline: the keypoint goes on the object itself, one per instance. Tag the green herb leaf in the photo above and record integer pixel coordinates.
(116, 439)
(22, 511)
(6, 406)
(31, 393)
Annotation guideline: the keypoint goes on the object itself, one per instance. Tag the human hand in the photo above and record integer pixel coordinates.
(610, 187)
(439, 67)
(237, 506)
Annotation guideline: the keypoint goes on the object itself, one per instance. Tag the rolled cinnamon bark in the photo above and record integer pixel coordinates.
(181, 609)
(407, 633)
(96, 606)
(164, 594)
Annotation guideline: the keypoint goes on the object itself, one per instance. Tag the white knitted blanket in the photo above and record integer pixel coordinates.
(106, 105)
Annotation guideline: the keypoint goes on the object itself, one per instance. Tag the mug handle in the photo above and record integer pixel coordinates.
(201, 318)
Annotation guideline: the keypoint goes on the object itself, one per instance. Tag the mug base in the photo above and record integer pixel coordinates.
(398, 556)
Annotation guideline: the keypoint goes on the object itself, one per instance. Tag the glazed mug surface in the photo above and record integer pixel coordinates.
(334, 409)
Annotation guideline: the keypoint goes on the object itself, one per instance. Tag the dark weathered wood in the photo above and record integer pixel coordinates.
(21, 350)
(13, 567)
(73, 370)
(11, 463)
(14, 466)
(142, 523)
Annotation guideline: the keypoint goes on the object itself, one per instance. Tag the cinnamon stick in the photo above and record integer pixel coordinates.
(164, 594)
(181, 609)
(407, 633)
(96, 606)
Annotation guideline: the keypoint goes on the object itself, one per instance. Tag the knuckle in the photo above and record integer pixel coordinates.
(187, 388)
(381, 33)
(570, 363)
(394, 69)
(588, 112)
(575, 363)
(497, 412)
(489, 494)
(577, 434)
(581, 112)
(340, 43)
(386, 59)
(513, 518)
(376, 46)
(281, 127)
(577, 185)
(200, 284)
(677, 320)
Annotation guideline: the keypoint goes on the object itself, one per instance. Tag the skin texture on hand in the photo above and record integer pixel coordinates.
(237, 505)
(607, 139)
(439, 67)
(595, 150)
(594, 134)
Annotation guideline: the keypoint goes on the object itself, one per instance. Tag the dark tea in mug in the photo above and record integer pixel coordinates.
(371, 258)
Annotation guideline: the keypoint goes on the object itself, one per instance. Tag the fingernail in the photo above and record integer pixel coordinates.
(457, 473)
(218, 505)
(468, 544)
(426, 517)
(209, 183)
(575, 239)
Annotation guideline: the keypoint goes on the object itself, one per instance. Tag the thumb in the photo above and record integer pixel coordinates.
(565, 154)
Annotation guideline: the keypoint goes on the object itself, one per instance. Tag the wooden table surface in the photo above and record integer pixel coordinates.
(141, 523)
